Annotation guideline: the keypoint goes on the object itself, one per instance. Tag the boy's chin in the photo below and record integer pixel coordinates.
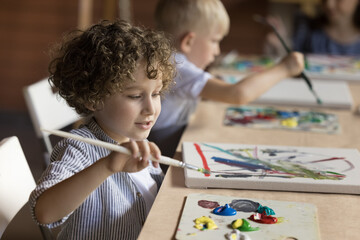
(141, 136)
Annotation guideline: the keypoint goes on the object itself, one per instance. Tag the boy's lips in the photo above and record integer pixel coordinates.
(145, 125)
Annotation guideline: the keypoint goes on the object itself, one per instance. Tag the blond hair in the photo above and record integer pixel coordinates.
(178, 17)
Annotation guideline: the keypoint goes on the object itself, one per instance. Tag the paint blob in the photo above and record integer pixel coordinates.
(208, 204)
(262, 218)
(204, 223)
(224, 211)
(237, 235)
(244, 205)
(243, 225)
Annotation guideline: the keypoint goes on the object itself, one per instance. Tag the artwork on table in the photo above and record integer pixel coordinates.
(246, 64)
(273, 118)
(332, 67)
(253, 219)
(284, 168)
(295, 92)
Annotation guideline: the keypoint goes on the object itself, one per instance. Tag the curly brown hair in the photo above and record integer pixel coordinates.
(90, 65)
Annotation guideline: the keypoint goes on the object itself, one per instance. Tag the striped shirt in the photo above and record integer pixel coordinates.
(115, 210)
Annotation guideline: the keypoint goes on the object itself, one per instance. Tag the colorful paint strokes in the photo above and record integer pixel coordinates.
(317, 66)
(333, 67)
(248, 63)
(273, 118)
(294, 220)
(273, 167)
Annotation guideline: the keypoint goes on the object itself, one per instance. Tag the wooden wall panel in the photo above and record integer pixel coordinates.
(245, 36)
(28, 28)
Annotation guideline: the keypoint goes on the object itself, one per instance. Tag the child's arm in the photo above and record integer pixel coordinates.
(64, 197)
(254, 85)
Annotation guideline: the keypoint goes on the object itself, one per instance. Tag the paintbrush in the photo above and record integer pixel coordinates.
(264, 21)
(117, 148)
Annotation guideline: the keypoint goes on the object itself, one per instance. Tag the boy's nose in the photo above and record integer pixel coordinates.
(149, 106)
(217, 50)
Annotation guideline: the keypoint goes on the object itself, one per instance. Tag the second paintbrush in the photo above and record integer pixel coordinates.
(263, 20)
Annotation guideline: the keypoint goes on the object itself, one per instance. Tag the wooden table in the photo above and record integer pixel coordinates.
(338, 213)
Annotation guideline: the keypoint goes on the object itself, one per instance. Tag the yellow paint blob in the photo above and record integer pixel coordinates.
(203, 223)
(237, 223)
(289, 122)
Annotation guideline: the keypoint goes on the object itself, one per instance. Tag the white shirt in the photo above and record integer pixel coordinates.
(181, 100)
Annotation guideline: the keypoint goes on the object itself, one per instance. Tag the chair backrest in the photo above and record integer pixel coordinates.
(47, 110)
(16, 184)
(16, 180)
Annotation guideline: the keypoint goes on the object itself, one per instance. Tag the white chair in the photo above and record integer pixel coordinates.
(16, 184)
(47, 110)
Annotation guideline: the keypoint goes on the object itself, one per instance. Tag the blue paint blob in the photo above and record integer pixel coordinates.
(224, 211)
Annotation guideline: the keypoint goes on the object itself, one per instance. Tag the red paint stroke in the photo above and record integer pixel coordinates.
(203, 158)
(337, 158)
(255, 152)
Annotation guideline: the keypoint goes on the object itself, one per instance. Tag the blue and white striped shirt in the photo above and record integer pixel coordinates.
(115, 210)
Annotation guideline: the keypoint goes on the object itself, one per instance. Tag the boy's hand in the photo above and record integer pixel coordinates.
(138, 160)
(294, 63)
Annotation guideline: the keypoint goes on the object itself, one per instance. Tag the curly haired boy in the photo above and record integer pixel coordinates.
(112, 73)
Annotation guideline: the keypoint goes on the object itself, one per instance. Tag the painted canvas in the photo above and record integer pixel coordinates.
(273, 118)
(246, 64)
(331, 67)
(334, 67)
(284, 168)
(290, 220)
(295, 92)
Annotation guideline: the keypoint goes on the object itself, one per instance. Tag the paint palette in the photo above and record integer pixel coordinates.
(298, 220)
(272, 118)
(264, 167)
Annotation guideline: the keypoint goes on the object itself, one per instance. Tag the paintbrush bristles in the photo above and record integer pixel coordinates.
(205, 171)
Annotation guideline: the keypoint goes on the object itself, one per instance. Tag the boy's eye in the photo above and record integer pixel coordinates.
(134, 96)
(156, 94)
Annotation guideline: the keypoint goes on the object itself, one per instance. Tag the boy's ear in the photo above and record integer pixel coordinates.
(90, 107)
(187, 42)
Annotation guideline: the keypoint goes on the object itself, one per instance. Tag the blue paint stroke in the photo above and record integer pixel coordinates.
(248, 166)
(232, 154)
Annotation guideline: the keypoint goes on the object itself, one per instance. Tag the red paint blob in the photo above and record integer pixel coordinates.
(261, 218)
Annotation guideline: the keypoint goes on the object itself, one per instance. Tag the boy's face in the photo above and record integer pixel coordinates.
(132, 112)
(340, 10)
(204, 48)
